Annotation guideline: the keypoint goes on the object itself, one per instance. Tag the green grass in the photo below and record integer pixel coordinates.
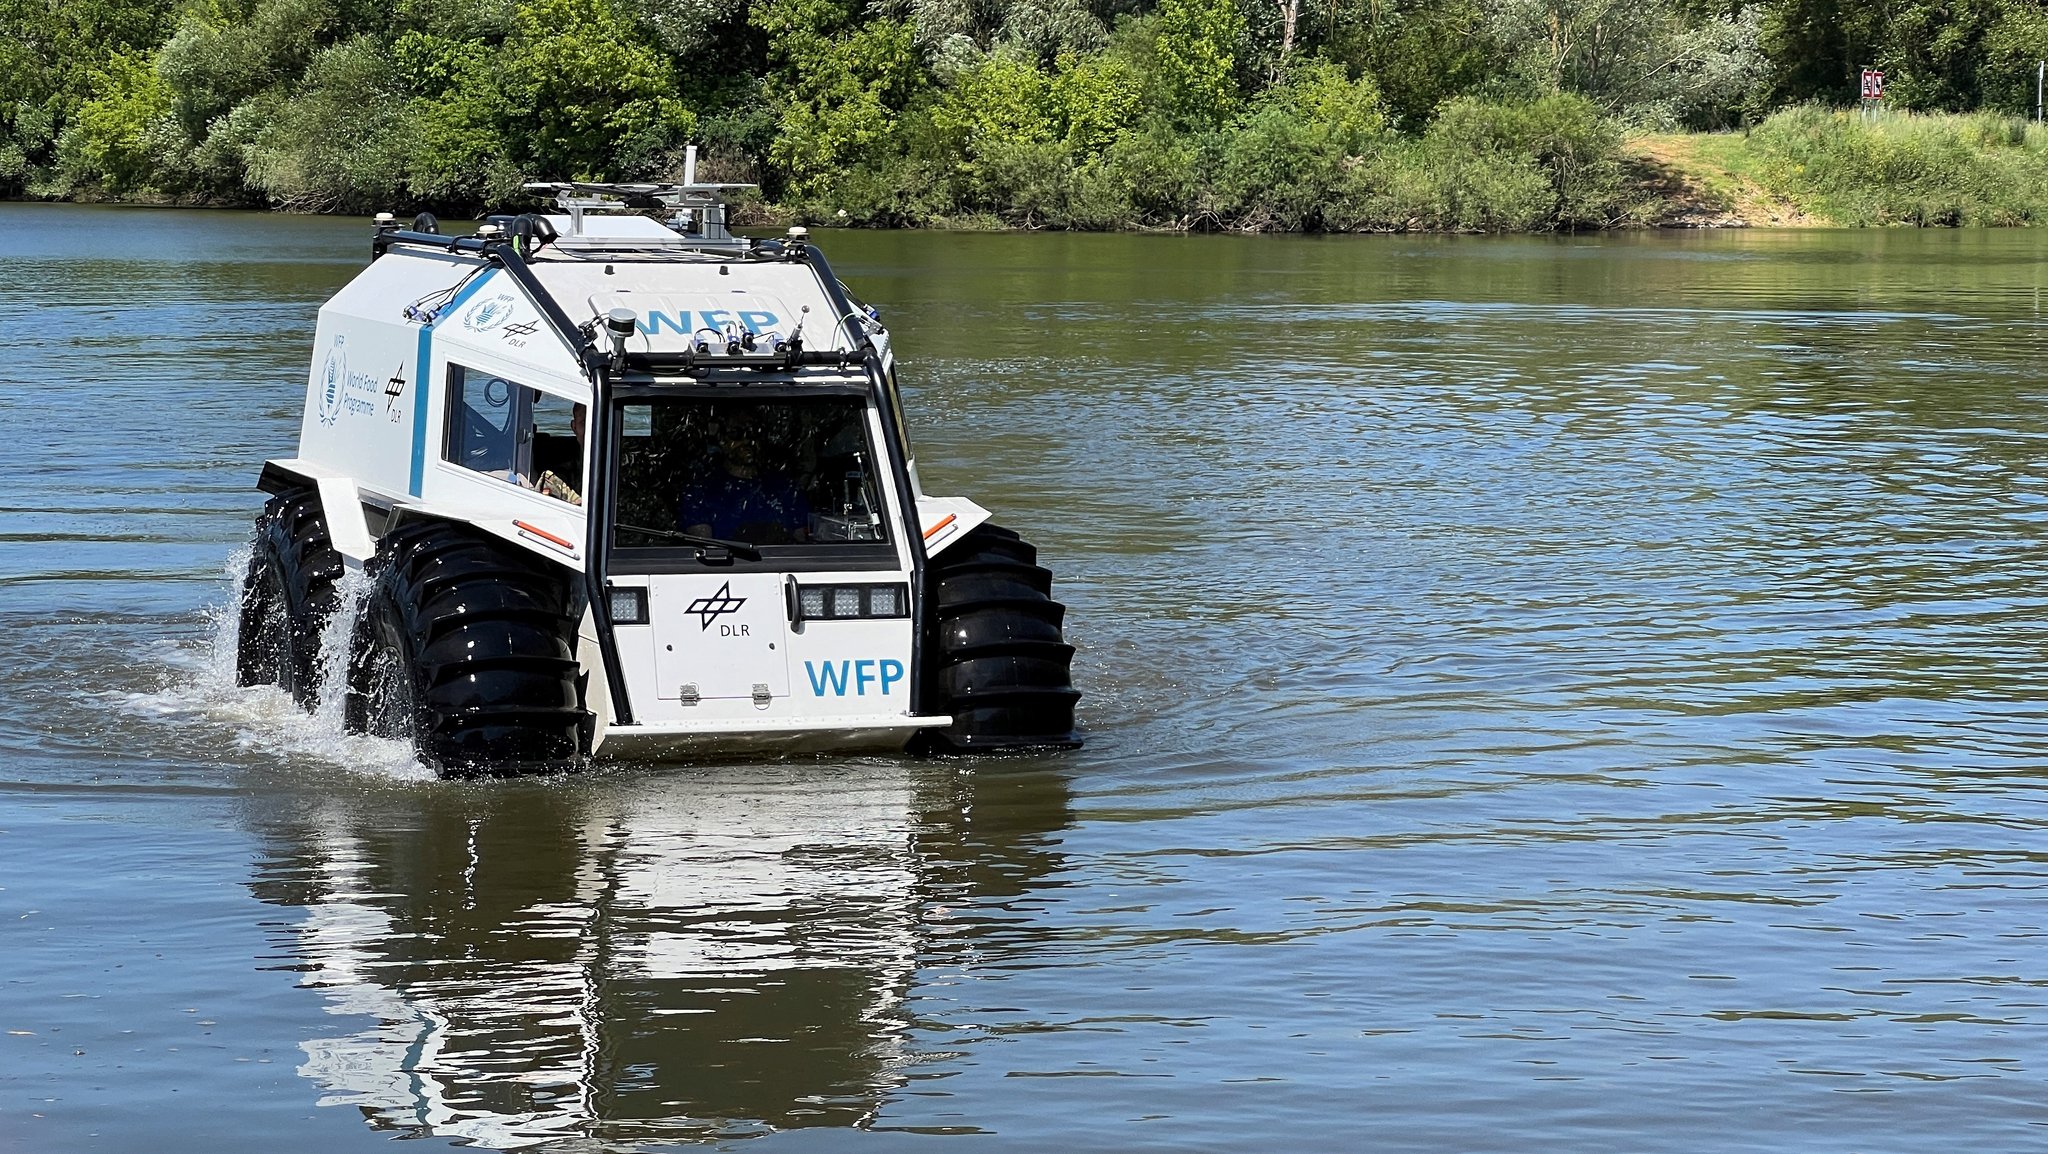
(1898, 168)
(1735, 166)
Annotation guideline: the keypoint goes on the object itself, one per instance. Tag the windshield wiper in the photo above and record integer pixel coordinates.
(736, 548)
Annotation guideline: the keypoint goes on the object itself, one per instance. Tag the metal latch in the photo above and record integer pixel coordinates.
(761, 695)
(689, 695)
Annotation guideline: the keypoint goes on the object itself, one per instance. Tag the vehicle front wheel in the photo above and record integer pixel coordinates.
(467, 649)
(1002, 666)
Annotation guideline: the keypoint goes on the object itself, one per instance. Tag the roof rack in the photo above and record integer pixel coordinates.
(698, 210)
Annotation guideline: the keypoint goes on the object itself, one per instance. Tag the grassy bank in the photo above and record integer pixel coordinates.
(1833, 167)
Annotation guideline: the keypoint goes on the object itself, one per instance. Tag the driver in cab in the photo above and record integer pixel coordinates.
(742, 497)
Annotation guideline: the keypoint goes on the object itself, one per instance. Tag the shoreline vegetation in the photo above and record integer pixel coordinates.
(1189, 115)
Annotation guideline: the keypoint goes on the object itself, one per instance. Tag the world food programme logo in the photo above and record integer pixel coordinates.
(333, 383)
(709, 609)
(485, 315)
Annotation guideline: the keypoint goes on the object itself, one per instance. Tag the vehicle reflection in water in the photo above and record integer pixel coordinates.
(680, 956)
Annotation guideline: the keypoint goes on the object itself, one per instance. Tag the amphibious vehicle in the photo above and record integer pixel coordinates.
(632, 486)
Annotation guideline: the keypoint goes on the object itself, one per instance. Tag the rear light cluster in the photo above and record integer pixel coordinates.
(845, 602)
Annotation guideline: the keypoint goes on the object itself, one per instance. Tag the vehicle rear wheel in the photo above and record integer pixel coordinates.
(288, 595)
(467, 649)
(1002, 666)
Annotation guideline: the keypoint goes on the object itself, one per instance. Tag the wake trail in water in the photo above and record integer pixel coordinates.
(264, 719)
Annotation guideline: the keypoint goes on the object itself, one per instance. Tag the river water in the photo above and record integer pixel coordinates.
(1562, 693)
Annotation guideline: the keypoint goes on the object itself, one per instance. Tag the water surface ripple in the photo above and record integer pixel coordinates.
(1576, 694)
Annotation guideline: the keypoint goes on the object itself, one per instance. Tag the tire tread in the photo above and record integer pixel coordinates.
(1001, 665)
(489, 634)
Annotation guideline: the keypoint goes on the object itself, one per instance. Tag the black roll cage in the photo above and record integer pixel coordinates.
(600, 488)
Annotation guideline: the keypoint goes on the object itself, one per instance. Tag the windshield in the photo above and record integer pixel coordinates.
(763, 471)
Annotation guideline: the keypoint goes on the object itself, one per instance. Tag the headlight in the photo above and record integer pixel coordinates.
(886, 601)
(851, 602)
(812, 598)
(629, 605)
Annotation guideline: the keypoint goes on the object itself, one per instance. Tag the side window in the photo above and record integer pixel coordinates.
(515, 433)
(896, 404)
(485, 421)
(554, 458)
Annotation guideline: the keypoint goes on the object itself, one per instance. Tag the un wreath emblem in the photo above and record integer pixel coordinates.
(488, 314)
(333, 377)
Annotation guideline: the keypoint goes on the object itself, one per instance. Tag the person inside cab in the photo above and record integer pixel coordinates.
(744, 495)
(558, 462)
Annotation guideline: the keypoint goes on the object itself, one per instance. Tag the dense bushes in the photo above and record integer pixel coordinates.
(1072, 147)
(1044, 113)
(321, 105)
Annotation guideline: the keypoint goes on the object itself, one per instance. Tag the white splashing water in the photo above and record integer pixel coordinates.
(264, 719)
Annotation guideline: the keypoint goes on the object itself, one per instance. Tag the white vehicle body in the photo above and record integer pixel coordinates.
(429, 375)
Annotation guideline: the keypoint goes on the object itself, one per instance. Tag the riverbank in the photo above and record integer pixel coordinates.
(1707, 180)
(1813, 166)
(1548, 166)
(1176, 115)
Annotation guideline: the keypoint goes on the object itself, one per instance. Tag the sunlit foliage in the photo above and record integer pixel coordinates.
(1254, 114)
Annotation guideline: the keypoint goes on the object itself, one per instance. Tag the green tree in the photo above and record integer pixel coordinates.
(1813, 48)
(1197, 45)
(50, 54)
(1420, 54)
(225, 52)
(841, 89)
(999, 124)
(1563, 136)
(118, 135)
(336, 145)
(1289, 155)
(2012, 48)
(1097, 100)
(459, 117)
(596, 97)
(1045, 30)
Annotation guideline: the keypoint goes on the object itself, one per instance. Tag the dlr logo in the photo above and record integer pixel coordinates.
(860, 674)
(732, 631)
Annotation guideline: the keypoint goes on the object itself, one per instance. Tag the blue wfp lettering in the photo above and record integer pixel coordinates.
(827, 674)
(715, 319)
(836, 675)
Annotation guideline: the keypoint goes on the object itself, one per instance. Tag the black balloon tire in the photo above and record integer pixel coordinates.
(466, 647)
(288, 595)
(1000, 663)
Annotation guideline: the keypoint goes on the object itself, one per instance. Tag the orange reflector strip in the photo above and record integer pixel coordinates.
(544, 535)
(950, 518)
